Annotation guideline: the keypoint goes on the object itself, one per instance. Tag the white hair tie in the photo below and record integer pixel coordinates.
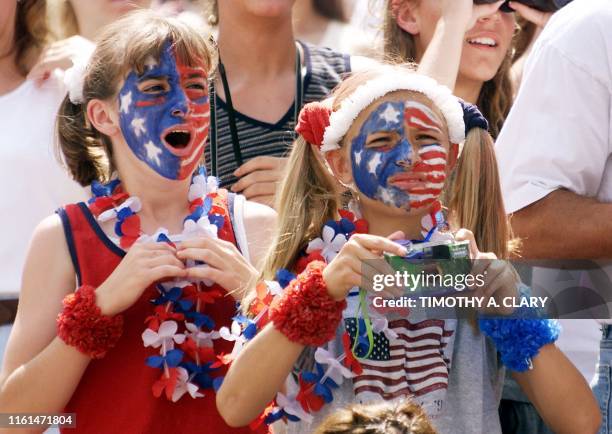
(74, 77)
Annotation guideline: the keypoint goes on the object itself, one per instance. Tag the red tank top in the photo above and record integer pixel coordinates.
(114, 393)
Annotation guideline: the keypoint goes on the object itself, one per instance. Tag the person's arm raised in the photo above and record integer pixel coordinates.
(442, 57)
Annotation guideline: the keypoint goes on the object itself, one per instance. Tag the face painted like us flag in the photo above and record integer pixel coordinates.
(397, 157)
(164, 114)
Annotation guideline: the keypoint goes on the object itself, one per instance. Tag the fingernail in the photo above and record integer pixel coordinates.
(403, 251)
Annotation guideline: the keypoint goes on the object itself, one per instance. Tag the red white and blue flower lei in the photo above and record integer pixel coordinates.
(315, 388)
(187, 360)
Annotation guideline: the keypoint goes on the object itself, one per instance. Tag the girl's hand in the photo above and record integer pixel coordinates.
(500, 278)
(141, 266)
(539, 18)
(59, 55)
(226, 265)
(348, 268)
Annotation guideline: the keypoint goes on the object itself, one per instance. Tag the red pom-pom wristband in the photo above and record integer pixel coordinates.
(82, 325)
(305, 312)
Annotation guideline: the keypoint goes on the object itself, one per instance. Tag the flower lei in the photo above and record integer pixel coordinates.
(314, 389)
(191, 367)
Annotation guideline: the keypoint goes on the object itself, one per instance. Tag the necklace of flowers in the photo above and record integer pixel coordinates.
(315, 389)
(190, 367)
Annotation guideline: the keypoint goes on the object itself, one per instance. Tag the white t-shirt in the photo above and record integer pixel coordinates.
(559, 131)
(34, 183)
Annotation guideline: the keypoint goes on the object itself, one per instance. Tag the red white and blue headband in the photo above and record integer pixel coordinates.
(325, 128)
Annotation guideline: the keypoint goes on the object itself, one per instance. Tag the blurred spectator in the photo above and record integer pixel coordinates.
(87, 17)
(264, 77)
(402, 417)
(476, 63)
(483, 52)
(555, 158)
(186, 10)
(325, 23)
(76, 23)
(35, 185)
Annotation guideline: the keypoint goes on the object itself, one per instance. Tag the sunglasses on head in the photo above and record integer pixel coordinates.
(542, 5)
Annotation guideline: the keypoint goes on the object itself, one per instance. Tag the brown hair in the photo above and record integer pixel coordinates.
(125, 45)
(405, 417)
(63, 19)
(496, 95)
(31, 32)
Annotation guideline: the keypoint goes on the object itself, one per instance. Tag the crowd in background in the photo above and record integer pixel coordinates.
(545, 88)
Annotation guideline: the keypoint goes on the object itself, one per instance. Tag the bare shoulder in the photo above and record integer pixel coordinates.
(260, 227)
(48, 272)
(48, 245)
(47, 277)
(256, 213)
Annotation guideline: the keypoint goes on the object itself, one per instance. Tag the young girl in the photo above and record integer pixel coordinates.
(135, 346)
(393, 137)
(469, 48)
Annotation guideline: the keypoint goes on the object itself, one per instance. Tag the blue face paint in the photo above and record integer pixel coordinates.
(372, 167)
(165, 122)
(389, 170)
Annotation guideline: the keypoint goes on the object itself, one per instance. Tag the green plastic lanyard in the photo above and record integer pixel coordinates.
(363, 309)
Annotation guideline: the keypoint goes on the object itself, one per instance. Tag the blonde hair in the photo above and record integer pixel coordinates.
(124, 45)
(306, 198)
(31, 32)
(496, 96)
(405, 417)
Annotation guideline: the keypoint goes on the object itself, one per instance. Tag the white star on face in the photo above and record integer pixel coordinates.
(152, 152)
(126, 101)
(138, 126)
(373, 164)
(390, 114)
(358, 157)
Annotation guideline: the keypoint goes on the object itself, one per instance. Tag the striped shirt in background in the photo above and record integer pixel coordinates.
(324, 70)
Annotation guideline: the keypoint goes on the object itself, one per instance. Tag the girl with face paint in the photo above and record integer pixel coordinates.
(397, 140)
(159, 255)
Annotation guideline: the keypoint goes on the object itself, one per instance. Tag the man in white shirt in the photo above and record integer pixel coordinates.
(555, 159)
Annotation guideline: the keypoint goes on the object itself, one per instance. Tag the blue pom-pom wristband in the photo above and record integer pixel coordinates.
(519, 340)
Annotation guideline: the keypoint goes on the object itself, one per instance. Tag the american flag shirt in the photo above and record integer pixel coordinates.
(412, 358)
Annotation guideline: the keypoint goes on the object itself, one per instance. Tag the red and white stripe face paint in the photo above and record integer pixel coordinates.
(432, 158)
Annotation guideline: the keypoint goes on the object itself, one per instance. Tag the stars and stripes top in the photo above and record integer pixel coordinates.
(324, 70)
